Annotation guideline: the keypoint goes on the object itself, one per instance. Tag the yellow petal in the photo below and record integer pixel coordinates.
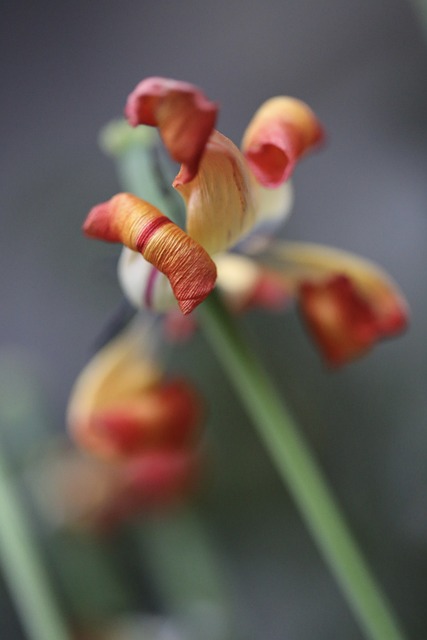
(143, 228)
(219, 200)
(280, 133)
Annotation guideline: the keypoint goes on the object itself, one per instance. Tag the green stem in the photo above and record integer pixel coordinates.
(23, 567)
(300, 473)
(188, 574)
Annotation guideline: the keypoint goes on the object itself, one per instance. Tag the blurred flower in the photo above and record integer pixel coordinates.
(143, 427)
(78, 491)
(122, 405)
(235, 200)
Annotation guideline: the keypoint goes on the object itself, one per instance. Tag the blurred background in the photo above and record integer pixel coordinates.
(66, 69)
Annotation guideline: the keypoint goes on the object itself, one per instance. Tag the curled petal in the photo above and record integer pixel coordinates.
(184, 116)
(347, 302)
(281, 131)
(219, 200)
(143, 228)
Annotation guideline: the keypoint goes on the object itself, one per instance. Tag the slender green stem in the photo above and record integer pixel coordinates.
(300, 473)
(23, 567)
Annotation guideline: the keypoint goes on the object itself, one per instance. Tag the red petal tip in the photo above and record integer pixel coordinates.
(98, 223)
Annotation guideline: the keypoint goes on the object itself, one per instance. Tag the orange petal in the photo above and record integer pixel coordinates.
(219, 200)
(143, 228)
(348, 302)
(281, 131)
(184, 115)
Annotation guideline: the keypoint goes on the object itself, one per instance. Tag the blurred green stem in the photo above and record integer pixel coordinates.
(23, 567)
(188, 574)
(420, 8)
(299, 471)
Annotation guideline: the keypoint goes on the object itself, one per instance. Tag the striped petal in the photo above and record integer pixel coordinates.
(143, 228)
(219, 200)
(184, 116)
(348, 303)
(280, 133)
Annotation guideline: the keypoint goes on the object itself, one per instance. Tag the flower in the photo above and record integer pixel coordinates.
(144, 428)
(235, 199)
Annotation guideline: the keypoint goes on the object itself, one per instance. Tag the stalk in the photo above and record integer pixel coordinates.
(300, 472)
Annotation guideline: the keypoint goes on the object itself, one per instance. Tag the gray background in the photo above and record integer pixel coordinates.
(65, 70)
